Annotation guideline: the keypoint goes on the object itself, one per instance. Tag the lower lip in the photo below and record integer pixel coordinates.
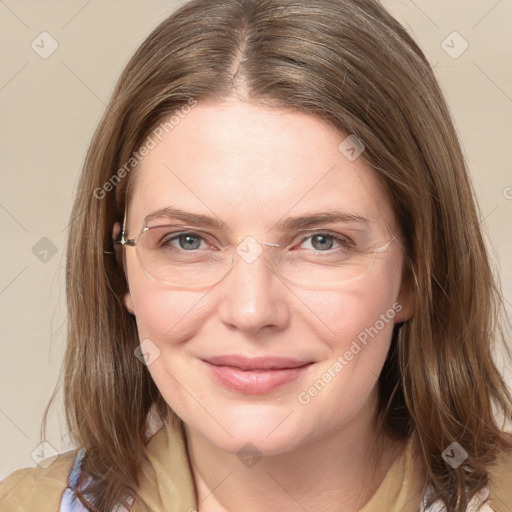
(254, 382)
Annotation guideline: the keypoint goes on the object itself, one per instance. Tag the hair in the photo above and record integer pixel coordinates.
(350, 63)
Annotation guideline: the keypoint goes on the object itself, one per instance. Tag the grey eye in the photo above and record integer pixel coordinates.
(322, 242)
(189, 241)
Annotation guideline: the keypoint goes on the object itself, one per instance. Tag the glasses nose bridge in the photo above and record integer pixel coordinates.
(250, 248)
(253, 238)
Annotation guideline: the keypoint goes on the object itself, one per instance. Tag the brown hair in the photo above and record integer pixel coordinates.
(353, 65)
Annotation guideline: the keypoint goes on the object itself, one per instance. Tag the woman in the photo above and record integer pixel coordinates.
(278, 292)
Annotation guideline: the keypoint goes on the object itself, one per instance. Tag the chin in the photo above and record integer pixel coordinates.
(267, 430)
(252, 441)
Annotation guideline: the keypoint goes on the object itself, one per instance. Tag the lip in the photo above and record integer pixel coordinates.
(255, 375)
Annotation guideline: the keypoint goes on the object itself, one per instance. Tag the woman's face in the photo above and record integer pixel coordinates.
(252, 168)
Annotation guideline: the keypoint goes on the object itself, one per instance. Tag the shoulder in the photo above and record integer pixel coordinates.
(500, 482)
(38, 488)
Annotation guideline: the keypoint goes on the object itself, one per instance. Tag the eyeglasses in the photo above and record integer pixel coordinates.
(185, 256)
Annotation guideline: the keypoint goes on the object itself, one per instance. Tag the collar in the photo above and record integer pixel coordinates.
(168, 478)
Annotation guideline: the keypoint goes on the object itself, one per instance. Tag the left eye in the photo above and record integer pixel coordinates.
(185, 241)
(326, 241)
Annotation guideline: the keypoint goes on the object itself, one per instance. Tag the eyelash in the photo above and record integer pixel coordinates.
(342, 240)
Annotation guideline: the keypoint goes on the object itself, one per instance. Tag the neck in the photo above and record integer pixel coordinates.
(338, 472)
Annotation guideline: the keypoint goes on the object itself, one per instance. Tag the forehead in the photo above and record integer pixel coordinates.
(246, 163)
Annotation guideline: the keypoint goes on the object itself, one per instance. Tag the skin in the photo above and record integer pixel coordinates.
(251, 166)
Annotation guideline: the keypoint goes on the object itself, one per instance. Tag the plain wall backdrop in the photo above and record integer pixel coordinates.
(60, 61)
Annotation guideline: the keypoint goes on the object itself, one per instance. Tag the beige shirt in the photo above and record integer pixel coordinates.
(167, 483)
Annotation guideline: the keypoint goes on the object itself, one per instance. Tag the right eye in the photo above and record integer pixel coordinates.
(188, 241)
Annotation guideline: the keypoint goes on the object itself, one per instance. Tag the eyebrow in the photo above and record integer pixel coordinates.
(303, 221)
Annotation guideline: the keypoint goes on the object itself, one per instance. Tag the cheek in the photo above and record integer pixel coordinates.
(355, 325)
(163, 314)
(172, 316)
(370, 303)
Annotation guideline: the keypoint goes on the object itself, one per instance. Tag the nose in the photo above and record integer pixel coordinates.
(253, 297)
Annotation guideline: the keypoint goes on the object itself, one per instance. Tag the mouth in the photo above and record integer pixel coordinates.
(256, 375)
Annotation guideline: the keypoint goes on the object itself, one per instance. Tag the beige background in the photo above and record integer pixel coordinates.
(50, 107)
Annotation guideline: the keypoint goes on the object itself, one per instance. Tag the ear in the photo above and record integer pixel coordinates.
(119, 251)
(128, 302)
(405, 300)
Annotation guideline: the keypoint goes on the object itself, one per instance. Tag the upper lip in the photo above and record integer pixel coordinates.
(256, 363)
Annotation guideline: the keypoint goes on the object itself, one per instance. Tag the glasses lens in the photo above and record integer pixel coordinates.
(171, 254)
(314, 271)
